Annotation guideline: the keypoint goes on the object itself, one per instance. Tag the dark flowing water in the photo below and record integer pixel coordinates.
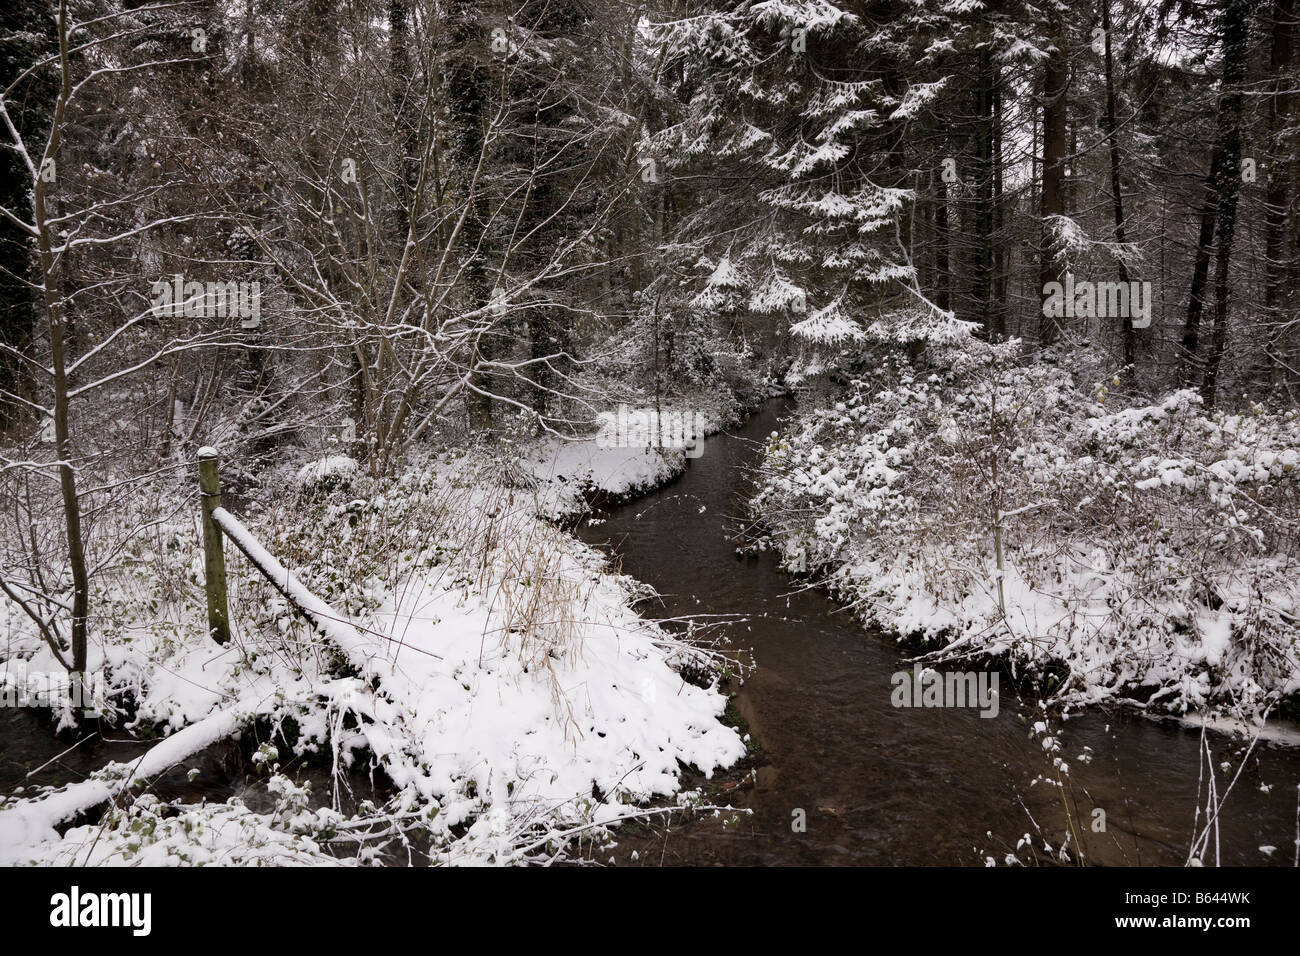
(882, 785)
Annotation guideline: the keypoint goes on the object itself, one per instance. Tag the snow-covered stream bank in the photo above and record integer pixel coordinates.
(498, 676)
(876, 784)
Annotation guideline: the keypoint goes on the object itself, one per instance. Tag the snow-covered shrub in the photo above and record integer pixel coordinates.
(327, 474)
(1147, 553)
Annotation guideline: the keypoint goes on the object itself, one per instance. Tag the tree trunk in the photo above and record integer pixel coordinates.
(51, 296)
(28, 37)
(1236, 29)
(1200, 272)
(1116, 191)
(1277, 300)
(943, 254)
(1001, 254)
(1055, 80)
(983, 285)
(399, 57)
(467, 89)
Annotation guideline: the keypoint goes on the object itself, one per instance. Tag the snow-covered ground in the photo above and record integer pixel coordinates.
(496, 672)
(567, 471)
(618, 462)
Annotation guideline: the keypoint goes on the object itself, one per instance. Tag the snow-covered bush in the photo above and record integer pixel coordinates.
(327, 474)
(1147, 553)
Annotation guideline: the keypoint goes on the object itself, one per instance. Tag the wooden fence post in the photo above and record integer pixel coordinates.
(214, 559)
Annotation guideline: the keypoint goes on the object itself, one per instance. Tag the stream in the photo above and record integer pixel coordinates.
(874, 784)
(880, 785)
